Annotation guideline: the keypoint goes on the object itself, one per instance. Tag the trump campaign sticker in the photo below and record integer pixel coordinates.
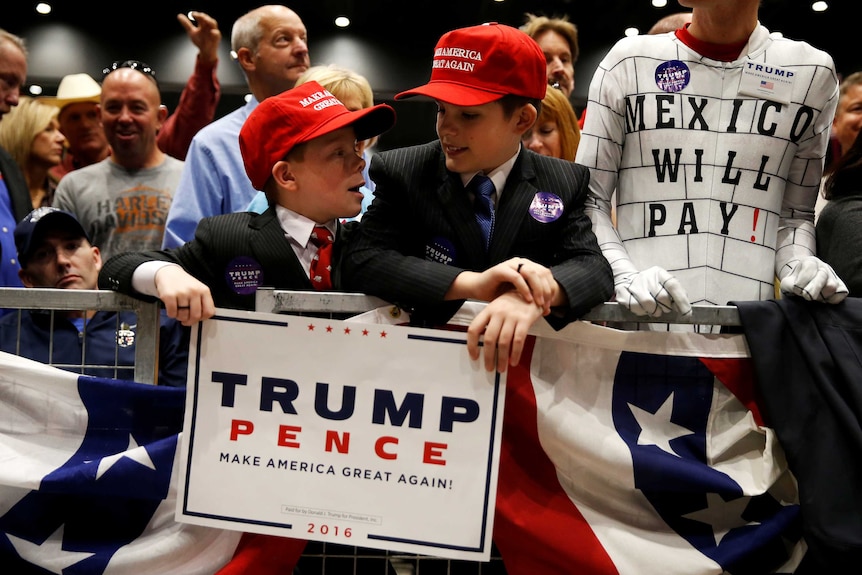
(672, 76)
(546, 207)
(770, 82)
(244, 275)
(440, 250)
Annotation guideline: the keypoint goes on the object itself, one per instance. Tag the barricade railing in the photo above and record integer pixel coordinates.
(326, 558)
(321, 558)
(282, 301)
(48, 299)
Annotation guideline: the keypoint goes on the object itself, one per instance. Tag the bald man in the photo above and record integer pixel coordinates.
(270, 43)
(123, 201)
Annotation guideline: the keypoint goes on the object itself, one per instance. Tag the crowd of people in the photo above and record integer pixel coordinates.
(676, 187)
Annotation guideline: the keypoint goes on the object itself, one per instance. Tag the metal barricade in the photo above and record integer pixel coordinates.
(147, 336)
(280, 301)
(320, 558)
(331, 559)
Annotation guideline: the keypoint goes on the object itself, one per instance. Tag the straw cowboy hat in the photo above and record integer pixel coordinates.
(74, 88)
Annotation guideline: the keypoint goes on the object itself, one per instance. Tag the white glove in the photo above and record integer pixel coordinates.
(652, 292)
(815, 280)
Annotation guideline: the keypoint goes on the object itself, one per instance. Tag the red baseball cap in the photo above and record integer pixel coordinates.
(480, 64)
(298, 115)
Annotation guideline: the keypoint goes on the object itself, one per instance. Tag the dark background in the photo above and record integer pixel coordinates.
(389, 41)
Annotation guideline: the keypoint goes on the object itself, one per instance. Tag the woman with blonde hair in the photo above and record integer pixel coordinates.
(31, 134)
(353, 89)
(556, 132)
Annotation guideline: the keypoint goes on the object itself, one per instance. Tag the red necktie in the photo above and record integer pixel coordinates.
(321, 263)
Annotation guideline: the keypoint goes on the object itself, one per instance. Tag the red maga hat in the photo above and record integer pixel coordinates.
(298, 115)
(476, 65)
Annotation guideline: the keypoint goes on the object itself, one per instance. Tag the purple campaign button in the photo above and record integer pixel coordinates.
(440, 250)
(672, 76)
(546, 207)
(244, 275)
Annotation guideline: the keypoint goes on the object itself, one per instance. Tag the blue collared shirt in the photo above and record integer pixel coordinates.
(214, 180)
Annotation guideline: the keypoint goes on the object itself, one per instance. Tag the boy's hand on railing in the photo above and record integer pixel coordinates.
(652, 292)
(505, 323)
(185, 298)
(814, 280)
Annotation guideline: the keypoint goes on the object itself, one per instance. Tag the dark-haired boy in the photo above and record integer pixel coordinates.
(420, 243)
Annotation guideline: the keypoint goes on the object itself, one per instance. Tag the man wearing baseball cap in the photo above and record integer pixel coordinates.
(55, 252)
(299, 148)
(473, 215)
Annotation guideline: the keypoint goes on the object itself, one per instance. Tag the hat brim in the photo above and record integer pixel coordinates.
(367, 123)
(452, 93)
(63, 102)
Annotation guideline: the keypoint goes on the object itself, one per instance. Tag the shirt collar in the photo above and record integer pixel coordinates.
(298, 226)
(498, 175)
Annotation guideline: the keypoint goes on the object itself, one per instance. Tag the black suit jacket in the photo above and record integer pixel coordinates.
(420, 232)
(806, 356)
(19, 194)
(224, 246)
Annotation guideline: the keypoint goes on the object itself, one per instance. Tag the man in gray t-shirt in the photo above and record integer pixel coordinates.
(122, 202)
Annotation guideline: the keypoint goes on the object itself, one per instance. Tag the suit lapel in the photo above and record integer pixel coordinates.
(344, 234)
(275, 254)
(458, 211)
(513, 206)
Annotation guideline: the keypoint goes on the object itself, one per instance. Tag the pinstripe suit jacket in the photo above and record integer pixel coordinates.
(420, 232)
(226, 243)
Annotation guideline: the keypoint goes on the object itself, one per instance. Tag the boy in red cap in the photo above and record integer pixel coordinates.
(299, 148)
(519, 239)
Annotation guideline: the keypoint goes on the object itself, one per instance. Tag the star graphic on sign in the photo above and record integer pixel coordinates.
(329, 329)
(364, 332)
(311, 327)
(347, 331)
(657, 428)
(382, 334)
(723, 516)
(134, 452)
(49, 554)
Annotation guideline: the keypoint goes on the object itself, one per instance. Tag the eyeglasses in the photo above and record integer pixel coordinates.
(134, 65)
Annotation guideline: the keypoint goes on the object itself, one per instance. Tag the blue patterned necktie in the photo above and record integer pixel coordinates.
(483, 187)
